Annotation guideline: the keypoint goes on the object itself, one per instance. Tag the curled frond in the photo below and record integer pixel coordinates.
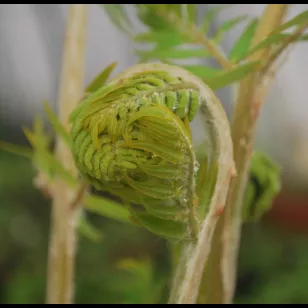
(131, 137)
(263, 186)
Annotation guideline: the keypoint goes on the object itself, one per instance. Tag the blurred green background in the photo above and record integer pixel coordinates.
(131, 265)
(272, 262)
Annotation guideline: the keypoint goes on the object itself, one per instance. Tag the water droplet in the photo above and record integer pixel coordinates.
(196, 167)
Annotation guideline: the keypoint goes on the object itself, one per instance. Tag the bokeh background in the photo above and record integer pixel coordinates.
(274, 252)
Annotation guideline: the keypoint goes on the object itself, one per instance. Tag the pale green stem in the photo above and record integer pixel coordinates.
(64, 218)
(250, 98)
(195, 254)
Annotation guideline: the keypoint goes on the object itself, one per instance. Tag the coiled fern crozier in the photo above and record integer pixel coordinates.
(131, 137)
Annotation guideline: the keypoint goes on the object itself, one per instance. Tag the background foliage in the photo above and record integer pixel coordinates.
(272, 269)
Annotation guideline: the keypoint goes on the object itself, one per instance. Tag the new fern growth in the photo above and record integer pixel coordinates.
(262, 187)
(131, 137)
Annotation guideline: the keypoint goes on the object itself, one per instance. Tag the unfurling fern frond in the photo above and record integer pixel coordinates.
(263, 186)
(128, 141)
(131, 137)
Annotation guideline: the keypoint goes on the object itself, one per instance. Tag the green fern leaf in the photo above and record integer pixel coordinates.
(56, 124)
(148, 16)
(243, 44)
(162, 39)
(43, 159)
(16, 149)
(298, 20)
(118, 16)
(232, 76)
(203, 71)
(274, 40)
(87, 230)
(175, 53)
(210, 16)
(165, 228)
(101, 78)
(227, 26)
(107, 208)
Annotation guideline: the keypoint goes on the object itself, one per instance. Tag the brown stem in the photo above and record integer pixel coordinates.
(64, 218)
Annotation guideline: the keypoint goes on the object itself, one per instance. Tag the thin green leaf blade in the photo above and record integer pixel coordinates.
(47, 160)
(163, 151)
(163, 210)
(16, 149)
(101, 78)
(147, 14)
(161, 227)
(142, 269)
(275, 39)
(87, 230)
(233, 75)
(38, 138)
(118, 16)
(30, 136)
(243, 44)
(174, 53)
(163, 39)
(203, 71)
(211, 15)
(56, 124)
(41, 137)
(107, 208)
(227, 26)
(295, 21)
(152, 189)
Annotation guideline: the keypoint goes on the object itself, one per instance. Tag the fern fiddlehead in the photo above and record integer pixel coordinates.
(132, 137)
(263, 186)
